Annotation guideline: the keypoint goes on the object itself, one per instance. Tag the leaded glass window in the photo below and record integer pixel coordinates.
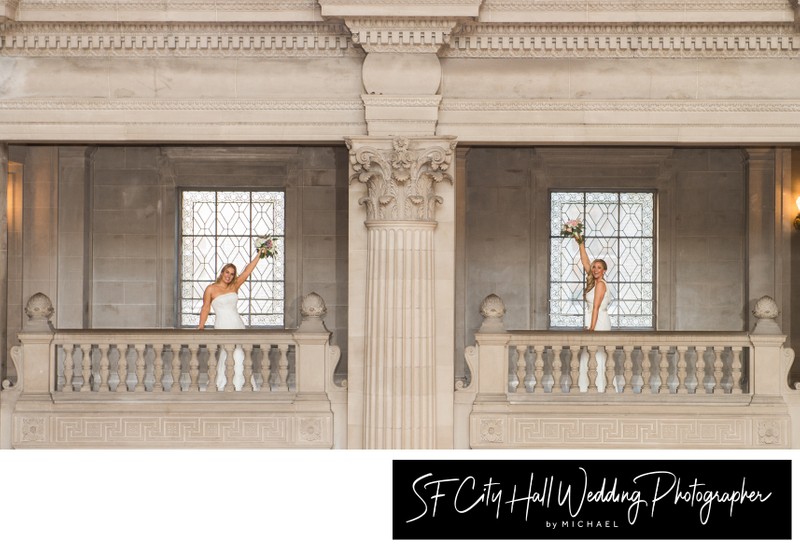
(619, 228)
(220, 227)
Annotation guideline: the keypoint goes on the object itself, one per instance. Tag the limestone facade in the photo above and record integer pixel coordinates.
(108, 106)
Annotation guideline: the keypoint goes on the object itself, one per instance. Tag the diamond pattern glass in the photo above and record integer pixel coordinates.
(619, 228)
(219, 228)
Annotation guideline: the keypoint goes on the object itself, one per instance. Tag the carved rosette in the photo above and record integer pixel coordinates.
(401, 180)
(769, 432)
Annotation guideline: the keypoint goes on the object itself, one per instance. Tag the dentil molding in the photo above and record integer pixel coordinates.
(168, 39)
(401, 35)
(624, 40)
(446, 37)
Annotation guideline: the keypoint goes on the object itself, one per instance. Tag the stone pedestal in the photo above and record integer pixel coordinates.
(402, 282)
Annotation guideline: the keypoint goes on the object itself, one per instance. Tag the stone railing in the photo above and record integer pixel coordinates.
(72, 377)
(619, 377)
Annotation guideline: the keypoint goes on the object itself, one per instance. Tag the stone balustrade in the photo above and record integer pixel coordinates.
(629, 363)
(77, 387)
(633, 389)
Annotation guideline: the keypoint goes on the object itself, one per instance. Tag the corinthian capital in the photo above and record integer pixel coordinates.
(401, 175)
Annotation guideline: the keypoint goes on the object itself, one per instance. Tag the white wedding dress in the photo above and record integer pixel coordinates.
(603, 324)
(227, 317)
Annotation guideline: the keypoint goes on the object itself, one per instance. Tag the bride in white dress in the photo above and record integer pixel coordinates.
(597, 296)
(222, 296)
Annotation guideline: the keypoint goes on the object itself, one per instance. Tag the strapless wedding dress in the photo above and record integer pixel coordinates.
(227, 317)
(603, 324)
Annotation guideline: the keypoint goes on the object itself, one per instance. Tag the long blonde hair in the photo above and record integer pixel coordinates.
(222, 271)
(590, 281)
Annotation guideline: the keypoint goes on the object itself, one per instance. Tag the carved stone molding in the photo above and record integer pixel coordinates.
(685, 432)
(401, 8)
(625, 40)
(99, 430)
(169, 10)
(401, 35)
(175, 39)
(177, 105)
(686, 106)
(401, 180)
(634, 10)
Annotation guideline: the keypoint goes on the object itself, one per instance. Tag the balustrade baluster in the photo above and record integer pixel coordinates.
(592, 368)
(69, 365)
(86, 365)
(248, 368)
(646, 371)
(283, 365)
(229, 363)
(519, 375)
(736, 371)
(212, 368)
(700, 370)
(663, 368)
(718, 388)
(574, 367)
(538, 369)
(194, 368)
(158, 367)
(611, 368)
(122, 368)
(104, 369)
(140, 349)
(682, 389)
(558, 368)
(627, 368)
(175, 350)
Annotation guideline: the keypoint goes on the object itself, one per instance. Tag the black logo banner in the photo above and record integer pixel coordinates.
(594, 499)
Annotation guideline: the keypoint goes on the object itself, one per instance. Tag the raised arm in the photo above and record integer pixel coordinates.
(206, 308)
(240, 279)
(587, 264)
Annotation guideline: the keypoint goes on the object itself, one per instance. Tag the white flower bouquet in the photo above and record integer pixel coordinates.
(573, 229)
(265, 246)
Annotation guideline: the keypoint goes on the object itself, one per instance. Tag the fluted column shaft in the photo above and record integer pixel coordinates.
(398, 383)
(400, 380)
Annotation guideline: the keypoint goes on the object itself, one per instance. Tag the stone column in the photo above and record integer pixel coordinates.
(405, 379)
(3, 257)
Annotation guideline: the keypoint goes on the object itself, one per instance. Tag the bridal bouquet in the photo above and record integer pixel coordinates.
(573, 228)
(265, 246)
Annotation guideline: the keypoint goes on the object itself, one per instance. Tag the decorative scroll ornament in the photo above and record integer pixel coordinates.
(401, 182)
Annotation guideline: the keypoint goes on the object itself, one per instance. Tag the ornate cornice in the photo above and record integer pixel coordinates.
(175, 39)
(445, 36)
(625, 40)
(401, 180)
(400, 35)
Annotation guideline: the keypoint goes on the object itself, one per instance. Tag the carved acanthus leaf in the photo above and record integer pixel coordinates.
(401, 180)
